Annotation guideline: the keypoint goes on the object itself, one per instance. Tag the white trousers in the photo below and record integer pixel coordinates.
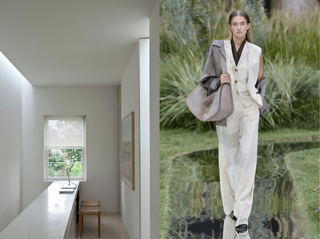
(238, 142)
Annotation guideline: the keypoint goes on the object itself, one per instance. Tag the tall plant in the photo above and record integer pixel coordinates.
(294, 36)
(188, 27)
(292, 91)
(289, 45)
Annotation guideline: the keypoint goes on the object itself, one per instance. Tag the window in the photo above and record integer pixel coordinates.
(64, 147)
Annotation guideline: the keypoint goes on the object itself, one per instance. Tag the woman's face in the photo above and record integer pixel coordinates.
(239, 27)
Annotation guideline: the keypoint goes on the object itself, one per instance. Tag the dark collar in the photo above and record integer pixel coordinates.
(236, 55)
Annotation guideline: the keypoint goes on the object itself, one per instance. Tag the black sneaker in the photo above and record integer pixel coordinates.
(241, 228)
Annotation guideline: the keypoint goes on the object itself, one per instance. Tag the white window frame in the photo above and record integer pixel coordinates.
(84, 155)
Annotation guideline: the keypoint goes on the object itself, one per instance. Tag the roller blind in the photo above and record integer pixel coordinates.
(64, 131)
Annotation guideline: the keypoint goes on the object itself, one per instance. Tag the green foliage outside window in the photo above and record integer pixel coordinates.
(60, 160)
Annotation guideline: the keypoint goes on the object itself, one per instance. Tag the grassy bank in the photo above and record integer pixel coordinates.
(176, 141)
(304, 168)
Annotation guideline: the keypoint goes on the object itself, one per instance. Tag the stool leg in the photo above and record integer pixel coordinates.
(81, 220)
(99, 223)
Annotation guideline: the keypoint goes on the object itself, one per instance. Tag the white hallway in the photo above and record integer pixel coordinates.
(81, 57)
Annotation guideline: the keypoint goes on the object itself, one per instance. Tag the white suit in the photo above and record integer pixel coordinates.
(238, 140)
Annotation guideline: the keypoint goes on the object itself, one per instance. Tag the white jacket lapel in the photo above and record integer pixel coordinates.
(254, 61)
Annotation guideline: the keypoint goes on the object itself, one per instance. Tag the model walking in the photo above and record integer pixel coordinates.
(238, 133)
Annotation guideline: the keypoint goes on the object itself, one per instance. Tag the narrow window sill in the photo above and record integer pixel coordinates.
(65, 179)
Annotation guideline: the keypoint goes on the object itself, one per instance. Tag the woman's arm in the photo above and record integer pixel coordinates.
(260, 68)
(209, 80)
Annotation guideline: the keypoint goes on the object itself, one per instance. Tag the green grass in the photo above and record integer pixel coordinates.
(294, 36)
(292, 92)
(179, 140)
(188, 27)
(304, 168)
(174, 141)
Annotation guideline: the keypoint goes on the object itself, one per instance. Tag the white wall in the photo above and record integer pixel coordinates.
(120, 153)
(154, 122)
(144, 82)
(10, 142)
(130, 102)
(100, 105)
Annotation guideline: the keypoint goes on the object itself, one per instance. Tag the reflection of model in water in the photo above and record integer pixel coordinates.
(230, 233)
(127, 160)
(238, 133)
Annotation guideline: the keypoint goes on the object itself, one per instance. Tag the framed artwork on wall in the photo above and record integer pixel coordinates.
(128, 150)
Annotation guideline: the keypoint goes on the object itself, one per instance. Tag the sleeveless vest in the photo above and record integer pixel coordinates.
(243, 77)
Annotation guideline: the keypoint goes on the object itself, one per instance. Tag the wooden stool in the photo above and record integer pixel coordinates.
(90, 208)
(90, 203)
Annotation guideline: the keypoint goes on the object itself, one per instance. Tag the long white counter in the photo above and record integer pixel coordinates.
(49, 216)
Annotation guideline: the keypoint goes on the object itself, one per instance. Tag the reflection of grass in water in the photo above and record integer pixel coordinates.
(270, 160)
(194, 188)
(175, 141)
(196, 167)
(304, 168)
(202, 166)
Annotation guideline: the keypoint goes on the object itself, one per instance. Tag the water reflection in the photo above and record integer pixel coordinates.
(195, 199)
(228, 228)
(230, 233)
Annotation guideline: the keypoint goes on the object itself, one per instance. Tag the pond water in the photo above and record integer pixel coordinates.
(195, 201)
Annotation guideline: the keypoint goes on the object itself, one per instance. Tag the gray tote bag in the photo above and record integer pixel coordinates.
(214, 107)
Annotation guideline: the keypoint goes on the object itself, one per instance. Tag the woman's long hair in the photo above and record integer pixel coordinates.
(245, 15)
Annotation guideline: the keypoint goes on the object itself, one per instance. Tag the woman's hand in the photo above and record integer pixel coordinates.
(224, 78)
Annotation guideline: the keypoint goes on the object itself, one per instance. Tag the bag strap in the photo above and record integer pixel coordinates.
(223, 64)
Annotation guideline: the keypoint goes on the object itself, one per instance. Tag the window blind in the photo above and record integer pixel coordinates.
(64, 131)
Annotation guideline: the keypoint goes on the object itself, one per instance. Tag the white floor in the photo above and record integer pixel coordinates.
(111, 227)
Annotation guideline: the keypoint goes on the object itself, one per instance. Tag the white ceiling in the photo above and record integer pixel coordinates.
(72, 42)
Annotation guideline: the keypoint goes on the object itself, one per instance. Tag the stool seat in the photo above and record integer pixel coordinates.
(90, 208)
(90, 203)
